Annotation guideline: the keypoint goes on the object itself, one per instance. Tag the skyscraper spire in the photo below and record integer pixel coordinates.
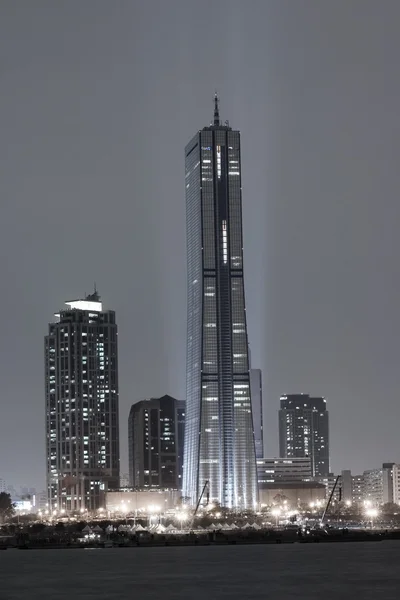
(216, 110)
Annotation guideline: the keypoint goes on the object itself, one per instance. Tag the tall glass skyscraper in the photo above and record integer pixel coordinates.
(219, 438)
(257, 409)
(81, 383)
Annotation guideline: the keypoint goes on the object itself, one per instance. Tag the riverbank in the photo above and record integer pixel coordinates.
(215, 538)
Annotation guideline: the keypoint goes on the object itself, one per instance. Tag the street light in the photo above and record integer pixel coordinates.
(153, 509)
(276, 513)
(372, 513)
(124, 510)
(182, 517)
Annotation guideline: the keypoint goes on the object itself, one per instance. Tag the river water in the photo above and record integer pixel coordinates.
(329, 571)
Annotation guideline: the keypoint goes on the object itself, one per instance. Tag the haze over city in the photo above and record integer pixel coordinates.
(95, 111)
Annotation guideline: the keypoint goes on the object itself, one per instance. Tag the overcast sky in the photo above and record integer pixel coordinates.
(97, 101)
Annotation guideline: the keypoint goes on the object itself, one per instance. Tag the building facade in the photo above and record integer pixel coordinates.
(256, 404)
(285, 470)
(219, 439)
(357, 489)
(373, 487)
(396, 483)
(81, 387)
(346, 486)
(293, 495)
(387, 482)
(156, 437)
(142, 502)
(304, 431)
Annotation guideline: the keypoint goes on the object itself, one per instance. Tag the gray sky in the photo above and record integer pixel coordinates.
(97, 101)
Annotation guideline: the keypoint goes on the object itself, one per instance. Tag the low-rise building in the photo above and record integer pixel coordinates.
(146, 501)
(295, 494)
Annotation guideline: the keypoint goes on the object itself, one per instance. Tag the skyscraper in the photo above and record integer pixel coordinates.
(256, 404)
(219, 440)
(156, 434)
(81, 384)
(304, 431)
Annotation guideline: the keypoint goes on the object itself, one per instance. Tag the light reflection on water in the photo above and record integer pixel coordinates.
(331, 571)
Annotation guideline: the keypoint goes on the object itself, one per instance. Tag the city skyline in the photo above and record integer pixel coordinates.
(92, 189)
(219, 437)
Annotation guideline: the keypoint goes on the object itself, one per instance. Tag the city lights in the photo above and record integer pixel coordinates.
(372, 513)
(276, 512)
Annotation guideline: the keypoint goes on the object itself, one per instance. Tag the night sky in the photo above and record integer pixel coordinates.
(97, 101)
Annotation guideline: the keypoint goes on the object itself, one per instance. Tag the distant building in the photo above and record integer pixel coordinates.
(42, 503)
(156, 437)
(295, 494)
(396, 483)
(13, 493)
(124, 480)
(3, 485)
(373, 487)
(304, 431)
(346, 485)
(81, 387)
(329, 483)
(283, 470)
(142, 502)
(387, 482)
(28, 491)
(357, 489)
(256, 405)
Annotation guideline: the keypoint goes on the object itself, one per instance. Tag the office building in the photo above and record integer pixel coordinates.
(81, 385)
(3, 486)
(357, 489)
(124, 480)
(286, 470)
(256, 404)
(396, 483)
(156, 436)
(329, 483)
(346, 487)
(373, 487)
(387, 482)
(219, 439)
(304, 431)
